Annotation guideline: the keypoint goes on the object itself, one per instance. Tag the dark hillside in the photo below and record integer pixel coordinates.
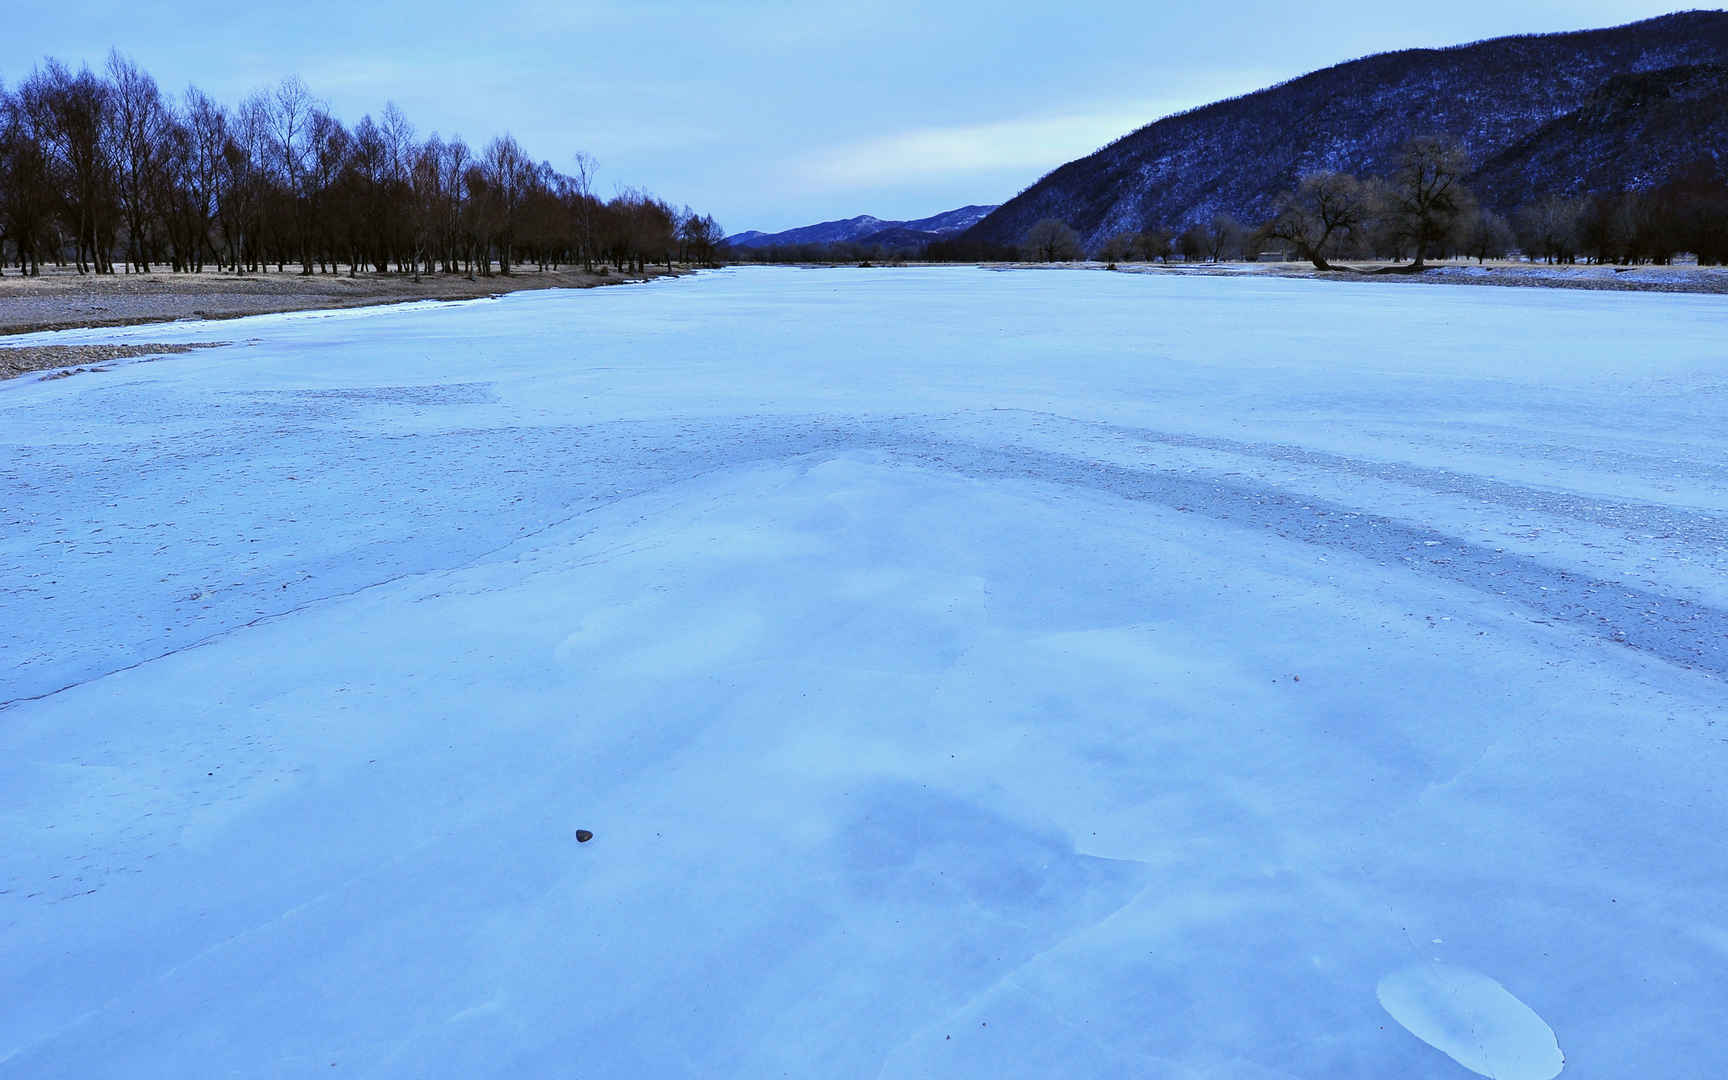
(1508, 101)
(1633, 134)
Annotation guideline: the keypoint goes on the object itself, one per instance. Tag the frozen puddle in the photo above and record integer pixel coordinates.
(1473, 1020)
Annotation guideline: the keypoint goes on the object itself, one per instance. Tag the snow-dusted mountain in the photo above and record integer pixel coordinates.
(868, 229)
(1540, 114)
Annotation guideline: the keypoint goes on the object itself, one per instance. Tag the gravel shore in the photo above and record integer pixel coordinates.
(1663, 279)
(62, 299)
(20, 359)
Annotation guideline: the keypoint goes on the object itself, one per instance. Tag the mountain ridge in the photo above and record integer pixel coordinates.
(1237, 155)
(865, 229)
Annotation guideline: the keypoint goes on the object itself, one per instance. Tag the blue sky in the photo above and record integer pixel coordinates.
(772, 114)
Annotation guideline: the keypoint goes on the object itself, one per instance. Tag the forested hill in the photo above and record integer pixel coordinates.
(1540, 115)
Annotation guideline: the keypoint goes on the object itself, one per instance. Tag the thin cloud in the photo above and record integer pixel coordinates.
(1034, 143)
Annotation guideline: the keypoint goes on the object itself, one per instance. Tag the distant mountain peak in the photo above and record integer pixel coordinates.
(866, 228)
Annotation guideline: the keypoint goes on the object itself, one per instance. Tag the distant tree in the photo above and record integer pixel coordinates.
(400, 150)
(1326, 212)
(1612, 228)
(206, 125)
(27, 190)
(1693, 207)
(95, 165)
(1548, 229)
(1429, 199)
(1051, 240)
(1226, 238)
(71, 113)
(291, 109)
(1194, 243)
(700, 236)
(137, 124)
(582, 189)
(1487, 236)
(455, 236)
(1117, 247)
(1153, 243)
(508, 172)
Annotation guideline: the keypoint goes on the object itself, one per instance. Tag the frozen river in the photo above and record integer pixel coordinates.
(963, 674)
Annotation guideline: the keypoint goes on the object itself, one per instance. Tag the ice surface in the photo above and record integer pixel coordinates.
(962, 674)
(1472, 1019)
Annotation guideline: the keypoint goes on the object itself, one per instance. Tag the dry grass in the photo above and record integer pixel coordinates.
(61, 299)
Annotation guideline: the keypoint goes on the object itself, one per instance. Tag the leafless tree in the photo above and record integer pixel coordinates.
(1225, 238)
(1051, 240)
(453, 164)
(291, 110)
(71, 112)
(137, 122)
(1194, 243)
(1325, 212)
(1152, 243)
(582, 187)
(94, 165)
(701, 236)
(27, 191)
(1487, 236)
(246, 177)
(206, 125)
(1428, 194)
(1117, 247)
(507, 171)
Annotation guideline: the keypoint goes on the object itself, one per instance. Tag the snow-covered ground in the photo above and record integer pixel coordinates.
(963, 674)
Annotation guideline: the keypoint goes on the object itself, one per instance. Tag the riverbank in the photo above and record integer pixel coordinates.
(64, 299)
(1662, 279)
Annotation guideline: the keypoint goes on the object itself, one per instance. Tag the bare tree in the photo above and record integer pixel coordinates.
(1225, 238)
(1117, 247)
(291, 109)
(1487, 236)
(1152, 243)
(327, 155)
(453, 165)
(246, 181)
(27, 191)
(1194, 243)
(1051, 240)
(399, 150)
(508, 171)
(582, 187)
(97, 165)
(1328, 210)
(71, 112)
(701, 236)
(207, 128)
(137, 121)
(426, 209)
(1549, 229)
(1428, 194)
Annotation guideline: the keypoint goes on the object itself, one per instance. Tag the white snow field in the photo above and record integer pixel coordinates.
(963, 674)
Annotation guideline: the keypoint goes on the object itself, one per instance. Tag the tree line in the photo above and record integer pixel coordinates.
(102, 169)
(1422, 211)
